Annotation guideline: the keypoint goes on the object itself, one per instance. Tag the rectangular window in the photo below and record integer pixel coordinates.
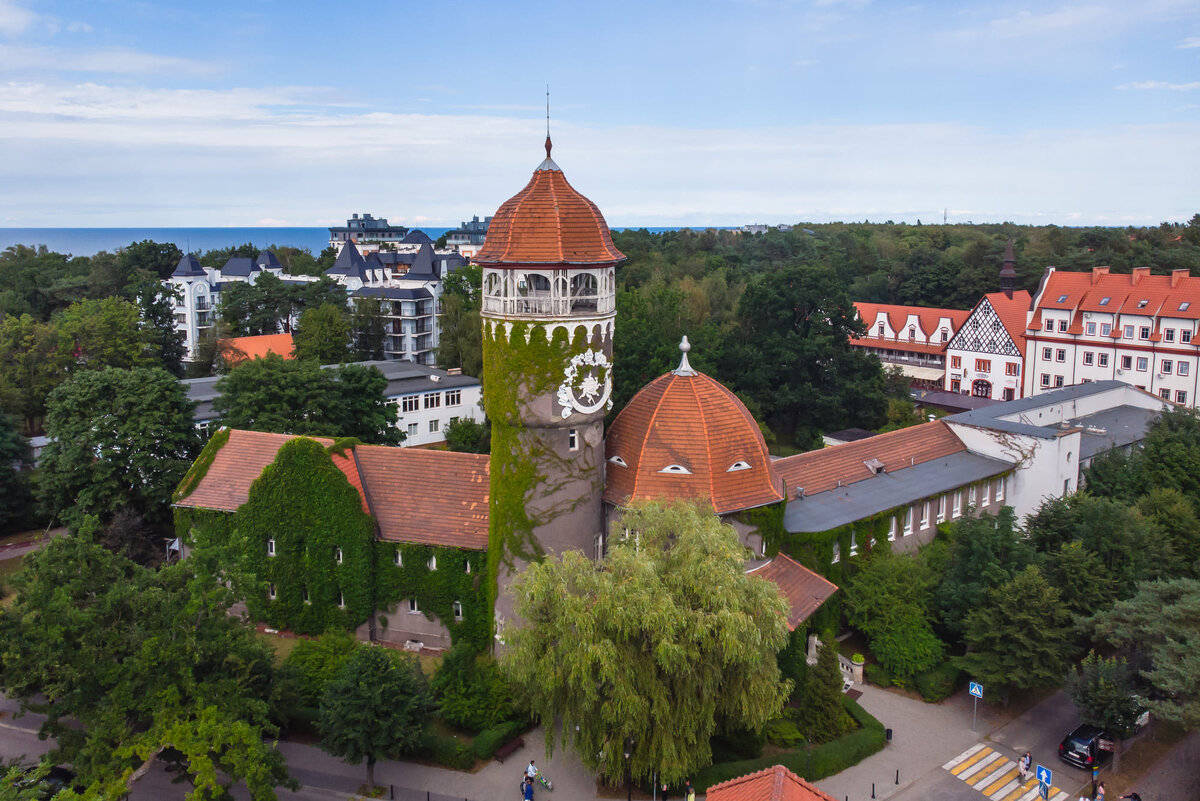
(467, 566)
(1012, 368)
(1144, 333)
(893, 528)
(1091, 329)
(983, 365)
(413, 609)
(410, 404)
(1166, 365)
(941, 513)
(1000, 488)
(398, 559)
(853, 544)
(956, 504)
(987, 494)
(1045, 379)
(1165, 394)
(1046, 353)
(271, 591)
(1050, 326)
(337, 555)
(908, 516)
(433, 426)
(458, 610)
(1183, 368)
(1143, 364)
(432, 563)
(573, 439)
(304, 593)
(1102, 359)
(270, 547)
(1185, 336)
(1129, 332)
(1060, 355)
(453, 397)
(1169, 335)
(1062, 326)
(412, 429)
(1180, 396)
(955, 385)
(433, 400)
(1058, 380)
(341, 600)
(1126, 362)
(924, 515)
(956, 362)
(1105, 329)
(971, 495)
(837, 554)
(1089, 358)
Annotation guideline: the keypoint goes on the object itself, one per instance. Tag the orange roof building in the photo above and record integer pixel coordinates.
(913, 338)
(237, 349)
(804, 590)
(773, 784)
(985, 358)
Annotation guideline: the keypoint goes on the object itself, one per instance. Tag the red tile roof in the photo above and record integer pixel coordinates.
(420, 496)
(1012, 313)
(897, 316)
(773, 784)
(427, 497)
(804, 590)
(898, 344)
(238, 349)
(548, 222)
(821, 470)
(695, 423)
(1084, 290)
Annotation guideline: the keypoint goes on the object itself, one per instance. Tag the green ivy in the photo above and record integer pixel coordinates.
(436, 590)
(199, 468)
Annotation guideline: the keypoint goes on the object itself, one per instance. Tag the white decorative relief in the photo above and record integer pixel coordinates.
(587, 384)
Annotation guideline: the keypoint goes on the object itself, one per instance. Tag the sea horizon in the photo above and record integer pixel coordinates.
(90, 241)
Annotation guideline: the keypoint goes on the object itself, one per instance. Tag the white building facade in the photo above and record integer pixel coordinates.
(985, 358)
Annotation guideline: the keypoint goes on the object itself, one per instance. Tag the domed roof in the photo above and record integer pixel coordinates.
(684, 436)
(548, 222)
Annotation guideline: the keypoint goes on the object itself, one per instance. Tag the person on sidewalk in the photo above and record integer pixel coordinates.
(1023, 766)
(1100, 792)
(664, 792)
(689, 792)
(528, 795)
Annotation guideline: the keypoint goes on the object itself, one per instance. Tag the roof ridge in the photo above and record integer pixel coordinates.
(650, 427)
(558, 222)
(712, 489)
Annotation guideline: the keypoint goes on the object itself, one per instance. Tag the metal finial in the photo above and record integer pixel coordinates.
(548, 121)
(684, 367)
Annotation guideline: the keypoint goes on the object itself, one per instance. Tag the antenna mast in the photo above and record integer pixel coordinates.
(547, 111)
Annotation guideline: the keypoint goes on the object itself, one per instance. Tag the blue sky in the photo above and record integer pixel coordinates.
(116, 113)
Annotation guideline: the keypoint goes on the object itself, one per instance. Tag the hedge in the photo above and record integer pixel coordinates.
(488, 741)
(821, 761)
(447, 751)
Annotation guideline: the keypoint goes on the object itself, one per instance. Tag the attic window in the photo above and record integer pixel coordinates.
(676, 469)
(1062, 298)
(1184, 306)
(618, 461)
(874, 465)
(1143, 303)
(1104, 301)
(738, 465)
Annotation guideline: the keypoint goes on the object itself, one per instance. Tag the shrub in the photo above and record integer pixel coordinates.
(487, 742)
(908, 646)
(940, 683)
(783, 732)
(314, 663)
(878, 675)
(471, 691)
(736, 745)
(448, 752)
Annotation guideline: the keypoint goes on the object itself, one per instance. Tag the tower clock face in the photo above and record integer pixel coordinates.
(587, 384)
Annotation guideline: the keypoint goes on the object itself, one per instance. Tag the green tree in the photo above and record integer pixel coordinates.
(889, 600)
(1172, 516)
(318, 662)
(369, 329)
(1159, 628)
(30, 368)
(460, 343)
(613, 649)
(1116, 475)
(1103, 693)
(471, 691)
(94, 334)
(1171, 452)
(130, 664)
(118, 438)
(820, 715)
(15, 497)
(1019, 638)
(466, 282)
(985, 552)
(323, 334)
(464, 435)
(157, 304)
(378, 706)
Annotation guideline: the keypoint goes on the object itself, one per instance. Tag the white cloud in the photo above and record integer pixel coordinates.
(1175, 87)
(1027, 23)
(15, 58)
(1191, 41)
(15, 20)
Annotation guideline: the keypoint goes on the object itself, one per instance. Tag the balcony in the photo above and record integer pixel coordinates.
(543, 304)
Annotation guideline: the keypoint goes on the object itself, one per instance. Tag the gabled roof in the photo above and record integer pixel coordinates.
(897, 316)
(1085, 291)
(417, 496)
(239, 266)
(422, 264)
(1012, 313)
(804, 590)
(237, 349)
(416, 237)
(189, 267)
(268, 261)
(773, 784)
(349, 263)
(821, 470)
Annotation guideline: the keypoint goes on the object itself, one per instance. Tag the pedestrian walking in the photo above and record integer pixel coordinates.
(664, 791)
(1100, 792)
(689, 793)
(1023, 766)
(528, 789)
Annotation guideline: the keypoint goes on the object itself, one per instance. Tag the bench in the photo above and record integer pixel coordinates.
(506, 750)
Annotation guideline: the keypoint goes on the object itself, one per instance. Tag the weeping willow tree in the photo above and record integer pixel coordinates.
(649, 652)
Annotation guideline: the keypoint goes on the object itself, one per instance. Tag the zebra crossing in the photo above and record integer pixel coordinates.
(995, 775)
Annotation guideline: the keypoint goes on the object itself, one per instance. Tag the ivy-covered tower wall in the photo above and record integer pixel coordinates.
(549, 308)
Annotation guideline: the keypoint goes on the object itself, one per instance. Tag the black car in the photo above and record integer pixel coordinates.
(1081, 747)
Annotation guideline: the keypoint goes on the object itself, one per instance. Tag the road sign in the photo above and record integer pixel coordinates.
(1044, 791)
(1044, 775)
(975, 689)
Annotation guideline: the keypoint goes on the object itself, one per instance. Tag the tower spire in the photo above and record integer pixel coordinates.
(1008, 273)
(548, 144)
(684, 367)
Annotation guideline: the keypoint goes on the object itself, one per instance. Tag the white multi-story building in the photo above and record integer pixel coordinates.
(1137, 328)
(367, 232)
(985, 358)
(913, 338)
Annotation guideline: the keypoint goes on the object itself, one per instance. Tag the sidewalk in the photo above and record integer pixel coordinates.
(1176, 776)
(924, 737)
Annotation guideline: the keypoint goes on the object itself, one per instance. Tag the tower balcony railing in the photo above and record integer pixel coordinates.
(536, 304)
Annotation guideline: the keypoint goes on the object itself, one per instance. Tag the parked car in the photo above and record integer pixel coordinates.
(1081, 747)
(55, 779)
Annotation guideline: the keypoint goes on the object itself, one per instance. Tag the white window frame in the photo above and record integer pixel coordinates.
(837, 554)
(972, 495)
(1166, 366)
(573, 439)
(1102, 359)
(453, 397)
(341, 600)
(1181, 396)
(853, 544)
(1182, 367)
(1089, 358)
(956, 505)
(413, 607)
(410, 403)
(337, 555)
(432, 563)
(271, 593)
(458, 611)
(431, 400)
(433, 426)
(1169, 335)
(908, 521)
(1047, 354)
(1091, 329)
(1185, 335)
(467, 567)
(941, 510)
(398, 558)
(1000, 488)
(986, 496)
(271, 547)
(1105, 329)
(924, 515)
(1143, 363)
(413, 429)
(893, 528)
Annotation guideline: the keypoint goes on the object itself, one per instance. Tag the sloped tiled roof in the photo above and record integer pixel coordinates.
(418, 496)
(548, 222)
(239, 266)
(773, 784)
(1012, 313)
(237, 349)
(427, 497)
(897, 316)
(1085, 291)
(693, 422)
(804, 590)
(821, 470)
(349, 262)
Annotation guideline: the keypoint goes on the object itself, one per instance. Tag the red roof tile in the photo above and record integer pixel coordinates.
(804, 590)
(1085, 291)
(821, 470)
(547, 222)
(695, 423)
(238, 349)
(1012, 313)
(897, 316)
(773, 784)
(899, 345)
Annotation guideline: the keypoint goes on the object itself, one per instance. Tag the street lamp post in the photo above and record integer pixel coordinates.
(628, 769)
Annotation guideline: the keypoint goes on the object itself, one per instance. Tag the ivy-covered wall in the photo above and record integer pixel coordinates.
(436, 590)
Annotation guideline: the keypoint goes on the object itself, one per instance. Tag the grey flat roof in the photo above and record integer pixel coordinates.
(392, 293)
(837, 507)
(992, 416)
(950, 400)
(404, 378)
(1121, 427)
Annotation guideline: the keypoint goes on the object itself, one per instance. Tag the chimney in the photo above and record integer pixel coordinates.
(1177, 276)
(1139, 273)
(1098, 273)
